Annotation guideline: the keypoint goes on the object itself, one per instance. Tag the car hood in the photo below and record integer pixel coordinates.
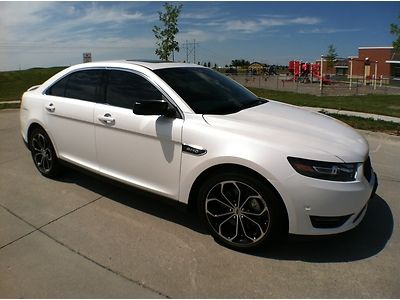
(297, 130)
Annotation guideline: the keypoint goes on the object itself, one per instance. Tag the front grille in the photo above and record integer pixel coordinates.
(368, 169)
(328, 222)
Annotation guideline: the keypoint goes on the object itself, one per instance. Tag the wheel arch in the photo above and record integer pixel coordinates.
(32, 127)
(192, 201)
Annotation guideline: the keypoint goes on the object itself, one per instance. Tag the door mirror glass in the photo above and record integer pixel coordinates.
(153, 107)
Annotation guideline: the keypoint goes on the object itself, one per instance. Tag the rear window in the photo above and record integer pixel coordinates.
(58, 89)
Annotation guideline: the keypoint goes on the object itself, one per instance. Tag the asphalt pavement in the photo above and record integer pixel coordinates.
(82, 237)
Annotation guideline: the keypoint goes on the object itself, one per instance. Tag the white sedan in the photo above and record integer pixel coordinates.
(253, 168)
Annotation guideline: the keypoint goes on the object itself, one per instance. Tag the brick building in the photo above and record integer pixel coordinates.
(370, 60)
(395, 68)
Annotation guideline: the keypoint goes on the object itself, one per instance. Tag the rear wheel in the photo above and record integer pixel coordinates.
(240, 211)
(43, 153)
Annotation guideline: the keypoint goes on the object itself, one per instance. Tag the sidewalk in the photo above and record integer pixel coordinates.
(6, 102)
(354, 113)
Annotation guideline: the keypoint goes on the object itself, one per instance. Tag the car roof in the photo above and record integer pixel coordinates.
(149, 64)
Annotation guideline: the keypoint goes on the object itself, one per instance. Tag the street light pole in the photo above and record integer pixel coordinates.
(376, 73)
(351, 73)
(294, 71)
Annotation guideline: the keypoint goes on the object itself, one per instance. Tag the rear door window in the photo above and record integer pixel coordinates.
(85, 85)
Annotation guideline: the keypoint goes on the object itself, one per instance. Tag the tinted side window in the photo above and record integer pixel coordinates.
(58, 89)
(85, 85)
(124, 88)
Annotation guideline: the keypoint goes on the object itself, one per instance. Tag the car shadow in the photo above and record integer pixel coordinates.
(366, 240)
(146, 202)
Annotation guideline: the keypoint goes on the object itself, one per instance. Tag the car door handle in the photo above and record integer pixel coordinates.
(107, 119)
(50, 107)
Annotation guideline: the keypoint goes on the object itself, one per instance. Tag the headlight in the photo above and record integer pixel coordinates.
(324, 170)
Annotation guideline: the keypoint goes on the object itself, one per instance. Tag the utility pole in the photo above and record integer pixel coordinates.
(190, 48)
(194, 51)
(187, 52)
(351, 72)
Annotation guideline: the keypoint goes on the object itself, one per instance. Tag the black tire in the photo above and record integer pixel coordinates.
(43, 154)
(240, 211)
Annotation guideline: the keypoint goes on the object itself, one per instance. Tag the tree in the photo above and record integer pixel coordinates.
(165, 36)
(395, 29)
(209, 64)
(331, 56)
(240, 63)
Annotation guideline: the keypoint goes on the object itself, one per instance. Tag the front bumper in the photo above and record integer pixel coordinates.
(324, 207)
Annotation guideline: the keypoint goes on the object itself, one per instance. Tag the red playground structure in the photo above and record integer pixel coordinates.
(307, 72)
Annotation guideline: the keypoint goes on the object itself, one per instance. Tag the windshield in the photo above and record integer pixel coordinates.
(207, 91)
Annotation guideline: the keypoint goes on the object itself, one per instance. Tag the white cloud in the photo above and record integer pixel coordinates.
(328, 30)
(197, 34)
(47, 29)
(17, 13)
(266, 22)
(43, 20)
(15, 17)
(245, 26)
(210, 13)
(99, 14)
(198, 15)
(305, 21)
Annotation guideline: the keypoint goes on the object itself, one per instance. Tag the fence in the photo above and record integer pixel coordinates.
(334, 86)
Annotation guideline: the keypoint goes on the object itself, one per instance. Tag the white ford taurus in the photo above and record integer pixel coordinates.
(253, 168)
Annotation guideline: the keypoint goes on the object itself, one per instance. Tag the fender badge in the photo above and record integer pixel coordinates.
(195, 150)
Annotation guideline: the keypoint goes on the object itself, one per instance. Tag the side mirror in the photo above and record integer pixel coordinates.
(153, 107)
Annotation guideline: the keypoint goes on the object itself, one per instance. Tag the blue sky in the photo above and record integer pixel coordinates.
(57, 33)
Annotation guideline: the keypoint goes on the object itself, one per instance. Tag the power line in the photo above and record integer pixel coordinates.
(213, 52)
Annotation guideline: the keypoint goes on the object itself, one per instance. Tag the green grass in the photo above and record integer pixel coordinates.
(368, 123)
(14, 83)
(388, 105)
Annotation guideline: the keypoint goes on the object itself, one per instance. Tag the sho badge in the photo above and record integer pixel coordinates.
(193, 150)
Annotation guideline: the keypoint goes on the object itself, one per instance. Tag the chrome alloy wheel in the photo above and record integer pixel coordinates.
(237, 212)
(41, 152)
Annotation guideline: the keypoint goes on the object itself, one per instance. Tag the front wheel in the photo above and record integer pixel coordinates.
(241, 212)
(43, 153)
